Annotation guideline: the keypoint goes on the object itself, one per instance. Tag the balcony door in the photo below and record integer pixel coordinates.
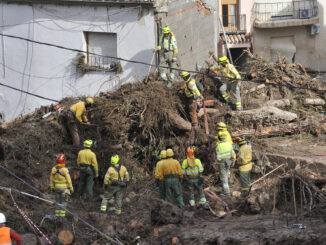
(230, 14)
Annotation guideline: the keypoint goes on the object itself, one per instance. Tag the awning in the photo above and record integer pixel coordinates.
(237, 40)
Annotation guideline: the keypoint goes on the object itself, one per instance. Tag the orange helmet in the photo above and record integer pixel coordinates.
(190, 151)
(61, 158)
(240, 140)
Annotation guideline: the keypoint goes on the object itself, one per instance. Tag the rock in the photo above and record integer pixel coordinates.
(279, 103)
(165, 213)
(261, 86)
(131, 195)
(109, 230)
(29, 239)
(210, 111)
(136, 224)
(188, 214)
(179, 122)
(221, 213)
(236, 194)
(317, 101)
(127, 199)
(175, 240)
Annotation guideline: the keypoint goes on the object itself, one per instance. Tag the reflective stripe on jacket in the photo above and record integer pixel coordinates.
(224, 150)
(228, 137)
(245, 157)
(5, 238)
(112, 174)
(169, 43)
(196, 170)
(87, 157)
(60, 178)
(170, 166)
(79, 110)
(191, 89)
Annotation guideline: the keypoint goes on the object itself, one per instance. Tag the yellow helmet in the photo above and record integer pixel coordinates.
(240, 140)
(88, 143)
(166, 30)
(221, 125)
(169, 153)
(115, 159)
(223, 59)
(184, 73)
(163, 154)
(90, 100)
(222, 135)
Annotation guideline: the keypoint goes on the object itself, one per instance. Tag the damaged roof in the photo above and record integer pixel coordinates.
(95, 2)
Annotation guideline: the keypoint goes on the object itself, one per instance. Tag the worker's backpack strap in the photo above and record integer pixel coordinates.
(58, 172)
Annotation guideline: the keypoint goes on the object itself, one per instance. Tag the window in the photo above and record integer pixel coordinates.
(101, 43)
(230, 14)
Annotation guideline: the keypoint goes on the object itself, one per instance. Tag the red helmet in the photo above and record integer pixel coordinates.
(61, 158)
(190, 151)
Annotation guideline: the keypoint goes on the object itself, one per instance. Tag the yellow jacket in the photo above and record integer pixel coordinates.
(245, 157)
(158, 169)
(228, 137)
(170, 166)
(79, 110)
(191, 89)
(60, 178)
(87, 157)
(169, 43)
(193, 171)
(112, 174)
(228, 71)
(224, 150)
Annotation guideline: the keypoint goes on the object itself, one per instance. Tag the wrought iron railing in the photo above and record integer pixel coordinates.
(234, 23)
(296, 9)
(101, 62)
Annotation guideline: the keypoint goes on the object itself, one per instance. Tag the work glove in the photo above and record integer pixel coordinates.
(72, 190)
(174, 59)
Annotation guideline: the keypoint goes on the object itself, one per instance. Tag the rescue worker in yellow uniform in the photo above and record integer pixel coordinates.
(231, 81)
(171, 174)
(115, 181)
(192, 93)
(225, 157)
(160, 184)
(191, 169)
(169, 50)
(77, 114)
(245, 165)
(60, 183)
(87, 164)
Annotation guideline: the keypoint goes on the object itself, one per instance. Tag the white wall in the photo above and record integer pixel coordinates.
(51, 72)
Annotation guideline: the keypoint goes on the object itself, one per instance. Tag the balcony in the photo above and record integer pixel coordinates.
(285, 14)
(234, 23)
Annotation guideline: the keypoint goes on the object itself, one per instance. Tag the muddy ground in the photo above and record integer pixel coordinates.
(135, 122)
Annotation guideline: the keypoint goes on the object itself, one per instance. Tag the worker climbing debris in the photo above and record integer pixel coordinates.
(88, 167)
(192, 169)
(171, 173)
(168, 49)
(225, 157)
(115, 180)
(60, 183)
(231, 81)
(160, 183)
(77, 114)
(244, 158)
(7, 234)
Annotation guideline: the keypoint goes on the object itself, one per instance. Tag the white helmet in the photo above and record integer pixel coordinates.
(2, 218)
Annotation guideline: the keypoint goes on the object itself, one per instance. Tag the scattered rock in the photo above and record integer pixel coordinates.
(236, 194)
(175, 240)
(279, 103)
(29, 239)
(109, 230)
(165, 213)
(314, 101)
(132, 195)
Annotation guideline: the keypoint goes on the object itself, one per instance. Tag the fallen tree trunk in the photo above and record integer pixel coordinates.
(210, 111)
(179, 122)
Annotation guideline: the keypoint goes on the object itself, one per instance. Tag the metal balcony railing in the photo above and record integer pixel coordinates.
(296, 9)
(234, 23)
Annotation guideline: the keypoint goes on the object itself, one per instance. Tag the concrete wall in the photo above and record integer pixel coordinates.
(246, 7)
(310, 49)
(194, 24)
(51, 72)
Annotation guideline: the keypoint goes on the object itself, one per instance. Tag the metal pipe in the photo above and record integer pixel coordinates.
(226, 41)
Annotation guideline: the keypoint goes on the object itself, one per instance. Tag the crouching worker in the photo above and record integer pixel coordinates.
(192, 168)
(60, 183)
(115, 181)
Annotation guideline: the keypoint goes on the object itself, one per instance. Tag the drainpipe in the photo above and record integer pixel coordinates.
(226, 41)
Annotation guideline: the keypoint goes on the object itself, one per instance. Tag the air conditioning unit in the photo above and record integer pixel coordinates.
(305, 13)
(315, 29)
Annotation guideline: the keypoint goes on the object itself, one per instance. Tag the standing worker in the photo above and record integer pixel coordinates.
(60, 183)
(169, 50)
(115, 181)
(77, 113)
(160, 184)
(192, 93)
(7, 234)
(87, 164)
(225, 156)
(192, 168)
(245, 165)
(171, 173)
(231, 79)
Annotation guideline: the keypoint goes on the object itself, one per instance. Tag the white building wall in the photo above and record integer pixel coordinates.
(51, 72)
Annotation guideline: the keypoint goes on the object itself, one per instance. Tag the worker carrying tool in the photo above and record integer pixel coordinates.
(169, 49)
(7, 234)
(171, 173)
(77, 114)
(87, 164)
(60, 183)
(115, 180)
(159, 183)
(231, 81)
(191, 169)
(225, 156)
(244, 158)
